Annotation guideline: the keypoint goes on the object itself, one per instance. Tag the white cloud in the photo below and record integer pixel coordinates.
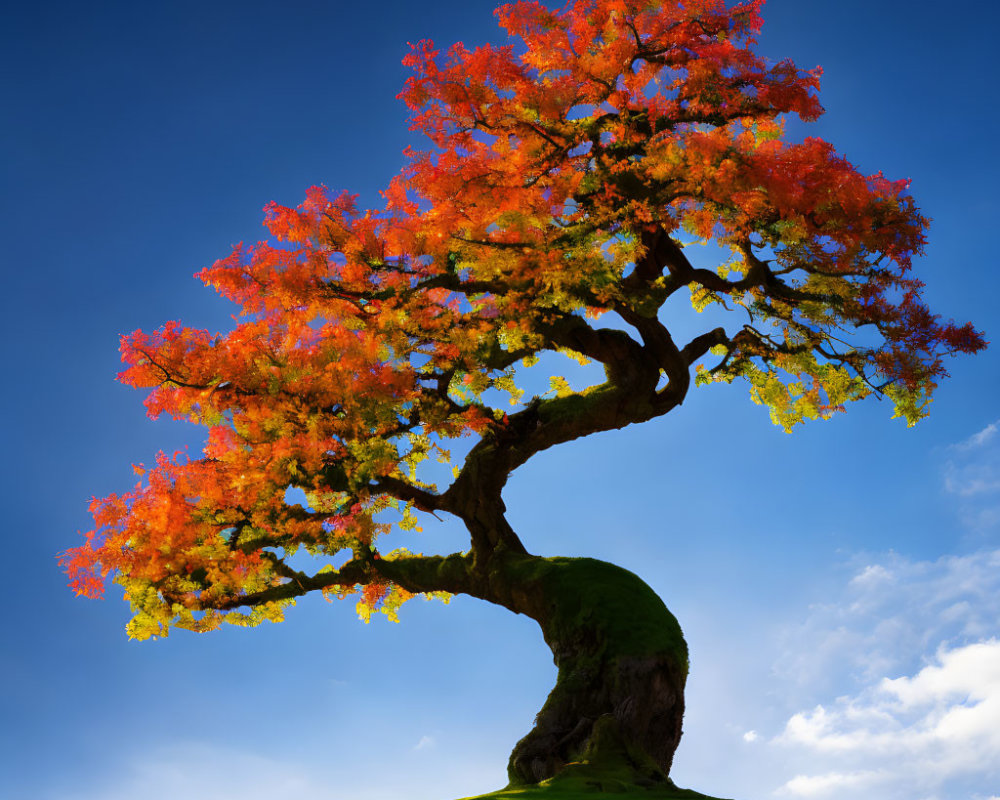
(821, 785)
(884, 689)
(872, 575)
(750, 736)
(979, 439)
(972, 474)
(892, 613)
(972, 672)
(425, 742)
(918, 731)
(910, 657)
(977, 479)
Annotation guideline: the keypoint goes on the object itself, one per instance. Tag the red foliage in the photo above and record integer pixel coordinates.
(559, 165)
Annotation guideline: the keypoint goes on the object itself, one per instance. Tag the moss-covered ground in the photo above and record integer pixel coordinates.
(585, 782)
(568, 792)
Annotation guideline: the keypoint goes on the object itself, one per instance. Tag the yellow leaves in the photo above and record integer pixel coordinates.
(155, 616)
(769, 390)
(381, 599)
(560, 386)
(514, 336)
(909, 405)
(579, 358)
(267, 612)
(821, 391)
(324, 502)
(840, 385)
(373, 456)
(701, 297)
(387, 598)
(472, 382)
(475, 385)
(420, 446)
(505, 383)
(491, 243)
(443, 597)
(144, 626)
(409, 520)
(364, 611)
(392, 602)
(330, 593)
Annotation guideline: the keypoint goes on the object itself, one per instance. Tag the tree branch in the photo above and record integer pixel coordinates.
(406, 491)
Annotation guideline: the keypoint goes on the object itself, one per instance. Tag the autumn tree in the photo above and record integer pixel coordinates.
(553, 215)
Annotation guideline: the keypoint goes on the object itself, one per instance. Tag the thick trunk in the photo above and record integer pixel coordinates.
(618, 702)
(614, 716)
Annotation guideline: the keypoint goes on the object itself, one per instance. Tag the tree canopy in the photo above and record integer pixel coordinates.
(569, 177)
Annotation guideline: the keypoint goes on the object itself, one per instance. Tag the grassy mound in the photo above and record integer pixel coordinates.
(583, 781)
(568, 793)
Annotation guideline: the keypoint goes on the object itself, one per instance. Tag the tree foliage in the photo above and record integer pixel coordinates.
(569, 178)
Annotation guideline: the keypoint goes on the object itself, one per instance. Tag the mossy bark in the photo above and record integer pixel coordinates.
(618, 702)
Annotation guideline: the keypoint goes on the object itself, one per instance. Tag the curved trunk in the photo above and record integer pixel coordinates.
(614, 716)
(618, 703)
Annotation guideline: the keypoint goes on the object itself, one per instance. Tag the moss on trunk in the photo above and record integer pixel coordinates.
(618, 702)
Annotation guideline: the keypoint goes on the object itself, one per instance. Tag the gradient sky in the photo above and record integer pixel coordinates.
(839, 587)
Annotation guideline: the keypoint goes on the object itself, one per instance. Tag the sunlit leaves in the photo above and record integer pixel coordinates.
(566, 175)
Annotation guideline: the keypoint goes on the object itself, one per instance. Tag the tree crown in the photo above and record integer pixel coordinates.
(568, 177)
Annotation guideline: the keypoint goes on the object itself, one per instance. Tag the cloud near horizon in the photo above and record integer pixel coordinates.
(204, 771)
(920, 640)
(893, 614)
(936, 725)
(168, 770)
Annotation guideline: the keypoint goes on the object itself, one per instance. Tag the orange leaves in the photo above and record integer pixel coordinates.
(322, 218)
(607, 114)
(86, 578)
(178, 532)
(563, 172)
(318, 386)
(735, 184)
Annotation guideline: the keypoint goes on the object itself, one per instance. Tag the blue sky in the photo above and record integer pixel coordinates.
(838, 587)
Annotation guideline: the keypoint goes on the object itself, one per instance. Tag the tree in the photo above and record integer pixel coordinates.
(555, 216)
